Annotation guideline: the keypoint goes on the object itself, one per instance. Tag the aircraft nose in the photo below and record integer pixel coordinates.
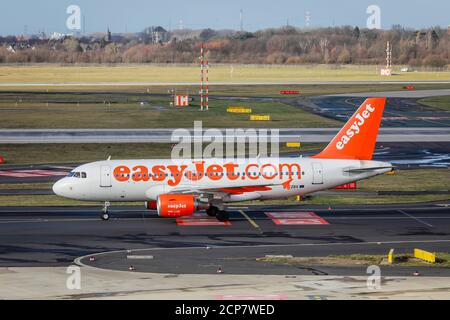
(61, 187)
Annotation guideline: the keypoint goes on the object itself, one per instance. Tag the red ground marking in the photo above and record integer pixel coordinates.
(289, 92)
(296, 218)
(200, 220)
(32, 173)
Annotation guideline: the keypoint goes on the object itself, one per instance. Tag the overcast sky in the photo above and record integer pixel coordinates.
(16, 16)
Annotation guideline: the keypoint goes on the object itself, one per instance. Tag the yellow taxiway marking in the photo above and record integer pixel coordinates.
(252, 222)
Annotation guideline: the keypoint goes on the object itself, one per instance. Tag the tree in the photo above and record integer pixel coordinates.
(356, 33)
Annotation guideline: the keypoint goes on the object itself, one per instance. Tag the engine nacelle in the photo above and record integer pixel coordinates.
(151, 205)
(177, 205)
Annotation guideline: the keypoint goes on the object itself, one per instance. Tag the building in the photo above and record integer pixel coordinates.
(156, 35)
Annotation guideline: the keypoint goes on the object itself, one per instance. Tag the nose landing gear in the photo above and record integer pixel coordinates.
(105, 214)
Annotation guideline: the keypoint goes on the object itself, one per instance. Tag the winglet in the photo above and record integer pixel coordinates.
(357, 138)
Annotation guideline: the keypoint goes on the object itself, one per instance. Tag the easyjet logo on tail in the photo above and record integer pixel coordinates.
(355, 127)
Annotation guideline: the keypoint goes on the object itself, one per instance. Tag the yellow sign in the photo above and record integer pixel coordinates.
(391, 256)
(256, 117)
(293, 144)
(425, 255)
(239, 110)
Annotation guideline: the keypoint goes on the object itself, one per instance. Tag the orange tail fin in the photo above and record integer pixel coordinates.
(356, 140)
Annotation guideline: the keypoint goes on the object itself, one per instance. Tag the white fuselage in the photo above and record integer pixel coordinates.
(144, 180)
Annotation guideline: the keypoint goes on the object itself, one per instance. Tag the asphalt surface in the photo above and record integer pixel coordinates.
(40, 236)
(399, 94)
(213, 83)
(400, 110)
(400, 134)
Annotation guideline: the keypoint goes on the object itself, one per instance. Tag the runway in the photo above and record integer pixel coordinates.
(213, 83)
(311, 135)
(40, 236)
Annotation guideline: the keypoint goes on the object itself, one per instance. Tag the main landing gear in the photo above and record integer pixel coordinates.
(105, 214)
(220, 215)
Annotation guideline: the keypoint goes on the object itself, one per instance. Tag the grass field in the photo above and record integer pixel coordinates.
(190, 73)
(409, 180)
(17, 154)
(404, 260)
(79, 153)
(442, 103)
(268, 90)
(98, 111)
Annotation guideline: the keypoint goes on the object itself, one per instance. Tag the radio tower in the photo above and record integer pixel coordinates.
(204, 81)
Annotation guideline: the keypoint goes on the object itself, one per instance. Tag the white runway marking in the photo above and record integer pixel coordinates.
(417, 219)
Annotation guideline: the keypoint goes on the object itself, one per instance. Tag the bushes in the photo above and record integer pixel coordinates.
(288, 45)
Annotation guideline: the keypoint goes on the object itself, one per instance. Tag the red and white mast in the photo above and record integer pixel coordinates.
(204, 88)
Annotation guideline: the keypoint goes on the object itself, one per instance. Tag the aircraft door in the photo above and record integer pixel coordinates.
(105, 176)
(317, 173)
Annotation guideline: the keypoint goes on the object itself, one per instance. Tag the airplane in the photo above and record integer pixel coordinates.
(181, 187)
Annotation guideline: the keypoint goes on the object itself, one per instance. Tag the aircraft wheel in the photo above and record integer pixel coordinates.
(105, 216)
(212, 211)
(222, 216)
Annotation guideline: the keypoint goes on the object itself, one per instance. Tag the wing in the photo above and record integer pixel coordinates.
(224, 191)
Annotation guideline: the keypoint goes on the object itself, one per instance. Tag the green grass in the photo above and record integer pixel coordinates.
(441, 103)
(404, 260)
(157, 114)
(50, 73)
(17, 154)
(409, 180)
(80, 153)
(351, 199)
(21, 186)
(272, 90)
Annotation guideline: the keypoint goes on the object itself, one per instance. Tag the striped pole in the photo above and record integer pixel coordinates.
(201, 77)
(207, 86)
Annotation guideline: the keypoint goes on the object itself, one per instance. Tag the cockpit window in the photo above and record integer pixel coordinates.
(76, 174)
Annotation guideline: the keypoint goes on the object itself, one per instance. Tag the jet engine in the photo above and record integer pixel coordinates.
(178, 205)
(151, 205)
